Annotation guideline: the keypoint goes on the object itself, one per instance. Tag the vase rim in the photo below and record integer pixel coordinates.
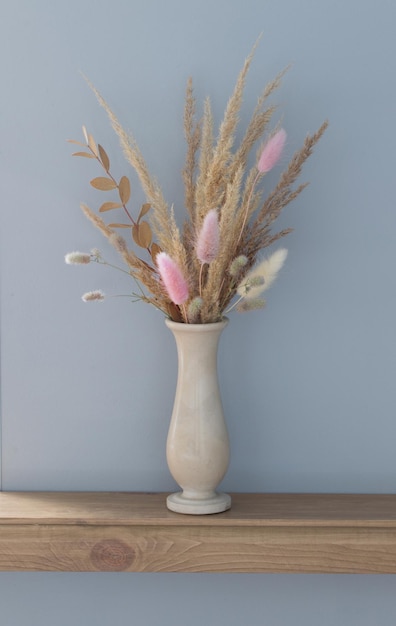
(182, 326)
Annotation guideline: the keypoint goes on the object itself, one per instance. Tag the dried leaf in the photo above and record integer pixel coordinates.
(173, 312)
(145, 209)
(87, 155)
(145, 234)
(75, 141)
(108, 206)
(104, 158)
(102, 183)
(155, 249)
(119, 225)
(148, 267)
(84, 130)
(92, 145)
(141, 234)
(135, 234)
(124, 189)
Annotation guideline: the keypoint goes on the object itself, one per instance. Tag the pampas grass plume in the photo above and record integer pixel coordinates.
(272, 152)
(119, 243)
(208, 238)
(172, 277)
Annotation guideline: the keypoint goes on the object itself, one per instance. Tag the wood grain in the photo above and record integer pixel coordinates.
(335, 533)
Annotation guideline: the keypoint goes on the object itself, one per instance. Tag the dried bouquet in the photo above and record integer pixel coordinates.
(200, 272)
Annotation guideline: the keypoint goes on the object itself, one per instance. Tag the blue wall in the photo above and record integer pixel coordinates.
(308, 384)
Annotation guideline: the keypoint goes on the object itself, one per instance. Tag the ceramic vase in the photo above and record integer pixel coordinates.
(197, 446)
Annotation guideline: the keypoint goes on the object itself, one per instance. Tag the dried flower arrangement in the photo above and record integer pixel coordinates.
(199, 273)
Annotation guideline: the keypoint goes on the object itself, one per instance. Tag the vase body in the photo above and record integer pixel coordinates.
(197, 447)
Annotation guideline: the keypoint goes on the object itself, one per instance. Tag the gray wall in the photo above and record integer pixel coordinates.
(307, 384)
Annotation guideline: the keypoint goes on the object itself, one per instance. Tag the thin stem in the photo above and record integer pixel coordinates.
(234, 305)
(142, 298)
(247, 208)
(221, 287)
(127, 295)
(103, 262)
(185, 313)
(114, 181)
(200, 279)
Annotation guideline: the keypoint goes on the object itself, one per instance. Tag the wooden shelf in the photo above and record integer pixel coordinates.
(315, 533)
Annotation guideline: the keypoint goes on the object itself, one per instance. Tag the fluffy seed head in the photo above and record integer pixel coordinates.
(254, 281)
(237, 265)
(272, 152)
(266, 270)
(194, 309)
(250, 305)
(208, 238)
(91, 296)
(77, 258)
(172, 277)
(119, 243)
(96, 254)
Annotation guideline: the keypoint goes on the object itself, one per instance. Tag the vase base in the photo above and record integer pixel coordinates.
(180, 504)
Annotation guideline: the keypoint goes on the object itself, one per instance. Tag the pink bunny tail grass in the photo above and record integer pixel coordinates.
(272, 152)
(172, 277)
(208, 239)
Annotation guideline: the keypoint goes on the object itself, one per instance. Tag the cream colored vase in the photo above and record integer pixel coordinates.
(198, 446)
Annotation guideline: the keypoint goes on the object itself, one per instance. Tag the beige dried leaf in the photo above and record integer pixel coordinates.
(104, 157)
(79, 143)
(135, 234)
(141, 234)
(173, 311)
(144, 210)
(92, 145)
(87, 155)
(145, 234)
(108, 206)
(124, 189)
(103, 183)
(119, 225)
(155, 249)
(84, 130)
